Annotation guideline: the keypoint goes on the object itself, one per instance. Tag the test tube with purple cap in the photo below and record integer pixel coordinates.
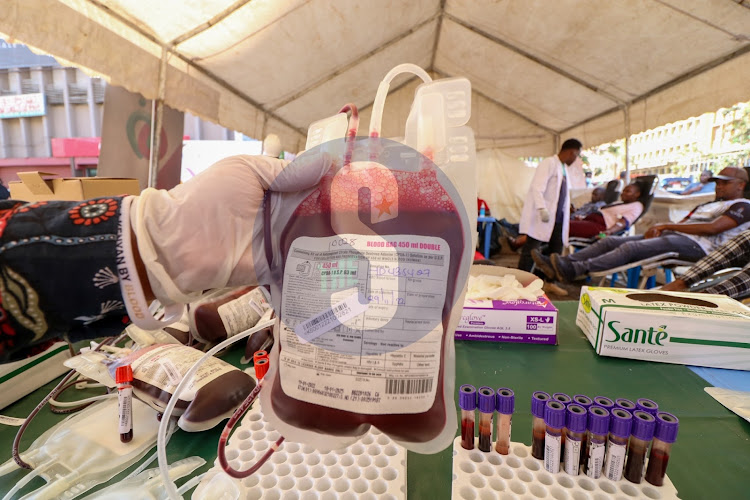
(598, 429)
(665, 435)
(554, 419)
(575, 430)
(647, 405)
(641, 435)
(620, 423)
(486, 410)
(467, 401)
(538, 428)
(506, 403)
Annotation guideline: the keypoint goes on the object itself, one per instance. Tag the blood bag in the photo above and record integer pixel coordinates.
(224, 313)
(368, 280)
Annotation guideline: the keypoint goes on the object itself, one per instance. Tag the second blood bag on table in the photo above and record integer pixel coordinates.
(215, 392)
(368, 280)
(224, 313)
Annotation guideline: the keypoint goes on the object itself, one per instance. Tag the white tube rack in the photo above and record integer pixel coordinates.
(374, 468)
(479, 475)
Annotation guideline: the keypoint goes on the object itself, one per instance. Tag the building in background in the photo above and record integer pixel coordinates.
(680, 149)
(51, 117)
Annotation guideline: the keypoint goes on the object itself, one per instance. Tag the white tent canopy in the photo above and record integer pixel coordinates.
(541, 70)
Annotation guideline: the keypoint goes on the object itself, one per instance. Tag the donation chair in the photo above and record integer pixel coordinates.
(642, 274)
(648, 184)
(612, 193)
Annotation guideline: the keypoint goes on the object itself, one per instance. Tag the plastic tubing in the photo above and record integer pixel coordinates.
(376, 119)
(351, 133)
(161, 438)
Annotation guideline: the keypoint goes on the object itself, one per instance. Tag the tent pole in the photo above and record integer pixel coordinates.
(157, 114)
(626, 111)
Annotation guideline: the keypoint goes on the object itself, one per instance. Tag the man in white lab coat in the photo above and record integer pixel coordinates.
(546, 212)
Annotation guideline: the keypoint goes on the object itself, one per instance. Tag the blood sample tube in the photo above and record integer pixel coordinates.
(562, 397)
(586, 402)
(575, 429)
(538, 428)
(259, 355)
(667, 426)
(467, 400)
(124, 379)
(582, 400)
(598, 429)
(605, 403)
(506, 402)
(486, 410)
(647, 405)
(261, 368)
(554, 420)
(620, 424)
(640, 439)
(625, 404)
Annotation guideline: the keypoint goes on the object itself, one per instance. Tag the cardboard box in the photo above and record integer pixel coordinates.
(19, 378)
(33, 187)
(524, 321)
(667, 327)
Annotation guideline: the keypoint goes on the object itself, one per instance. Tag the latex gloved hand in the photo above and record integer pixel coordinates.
(544, 214)
(199, 235)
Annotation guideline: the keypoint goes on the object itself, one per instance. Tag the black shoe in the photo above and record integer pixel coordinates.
(543, 263)
(564, 270)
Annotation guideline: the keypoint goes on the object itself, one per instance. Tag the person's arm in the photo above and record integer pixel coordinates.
(692, 189)
(615, 228)
(723, 223)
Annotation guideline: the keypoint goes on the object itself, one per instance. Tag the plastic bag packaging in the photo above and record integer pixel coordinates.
(84, 450)
(486, 287)
(148, 484)
(368, 281)
(221, 314)
(214, 393)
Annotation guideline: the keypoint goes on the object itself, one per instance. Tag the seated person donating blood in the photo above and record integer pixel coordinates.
(610, 219)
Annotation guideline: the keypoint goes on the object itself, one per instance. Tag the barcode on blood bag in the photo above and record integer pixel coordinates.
(339, 309)
(408, 385)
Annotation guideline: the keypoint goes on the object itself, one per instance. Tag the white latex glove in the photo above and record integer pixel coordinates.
(544, 214)
(199, 235)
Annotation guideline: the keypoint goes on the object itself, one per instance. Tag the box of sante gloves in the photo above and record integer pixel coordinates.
(667, 327)
(519, 320)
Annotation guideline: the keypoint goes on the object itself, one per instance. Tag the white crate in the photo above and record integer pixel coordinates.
(518, 475)
(373, 468)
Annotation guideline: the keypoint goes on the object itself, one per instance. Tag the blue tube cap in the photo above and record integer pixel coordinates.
(538, 400)
(506, 401)
(486, 399)
(554, 414)
(575, 418)
(598, 420)
(467, 397)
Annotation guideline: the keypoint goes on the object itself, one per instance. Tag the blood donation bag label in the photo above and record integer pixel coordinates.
(362, 321)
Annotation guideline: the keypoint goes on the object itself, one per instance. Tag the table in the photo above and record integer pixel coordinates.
(711, 458)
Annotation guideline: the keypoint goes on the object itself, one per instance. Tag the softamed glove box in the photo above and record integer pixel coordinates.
(667, 327)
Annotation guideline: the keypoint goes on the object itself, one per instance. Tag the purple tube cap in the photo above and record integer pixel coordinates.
(583, 400)
(625, 404)
(604, 402)
(575, 418)
(667, 426)
(647, 405)
(467, 397)
(538, 400)
(620, 423)
(506, 401)
(554, 414)
(486, 399)
(598, 420)
(561, 397)
(644, 425)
